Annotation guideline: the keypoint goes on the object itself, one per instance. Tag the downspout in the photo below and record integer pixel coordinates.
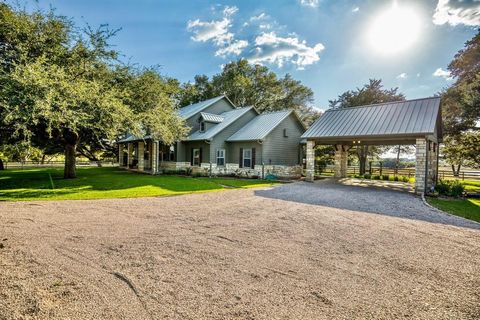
(427, 149)
(438, 155)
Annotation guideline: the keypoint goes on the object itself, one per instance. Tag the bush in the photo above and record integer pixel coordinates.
(395, 178)
(367, 176)
(450, 188)
(386, 177)
(405, 179)
(443, 188)
(457, 189)
(376, 177)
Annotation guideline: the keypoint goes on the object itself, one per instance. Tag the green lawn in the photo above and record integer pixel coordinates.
(100, 183)
(468, 208)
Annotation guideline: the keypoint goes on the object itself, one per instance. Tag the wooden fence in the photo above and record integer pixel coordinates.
(56, 164)
(406, 172)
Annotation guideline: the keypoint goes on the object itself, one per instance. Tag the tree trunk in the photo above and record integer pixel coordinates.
(362, 158)
(1, 165)
(43, 159)
(456, 172)
(71, 140)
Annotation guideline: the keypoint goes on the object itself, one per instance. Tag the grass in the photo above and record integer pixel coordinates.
(466, 208)
(101, 183)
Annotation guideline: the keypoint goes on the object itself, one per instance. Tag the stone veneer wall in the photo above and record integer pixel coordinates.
(341, 158)
(233, 168)
(310, 154)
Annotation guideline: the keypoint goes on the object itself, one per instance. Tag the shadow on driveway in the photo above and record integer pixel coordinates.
(357, 197)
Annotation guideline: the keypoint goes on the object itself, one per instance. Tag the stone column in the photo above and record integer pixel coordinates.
(310, 153)
(120, 155)
(341, 158)
(421, 160)
(129, 154)
(141, 156)
(154, 156)
(432, 165)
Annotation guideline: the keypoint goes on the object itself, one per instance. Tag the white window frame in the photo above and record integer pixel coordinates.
(196, 159)
(222, 151)
(249, 158)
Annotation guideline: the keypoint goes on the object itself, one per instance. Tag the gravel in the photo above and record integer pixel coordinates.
(281, 253)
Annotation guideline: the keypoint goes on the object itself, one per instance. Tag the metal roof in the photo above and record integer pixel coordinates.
(392, 119)
(133, 138)
(210, 117)
(228, 118)
(260, 127)
(190, 110)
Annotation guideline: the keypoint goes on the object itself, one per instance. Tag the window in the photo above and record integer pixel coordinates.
(285, 133)
(220, 157)
(247, 158)
(196, 157)
(202, 126)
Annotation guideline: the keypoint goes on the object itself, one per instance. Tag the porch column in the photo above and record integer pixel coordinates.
(420, 165)
(154, 156)
(141, 156)
(120, 155)
(310, 165)
(340, 170)
(129, 154)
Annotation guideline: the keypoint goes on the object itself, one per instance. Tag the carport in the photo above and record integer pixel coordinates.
(417, 122)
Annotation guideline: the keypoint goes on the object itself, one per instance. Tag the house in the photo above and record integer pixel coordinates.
(222, 139)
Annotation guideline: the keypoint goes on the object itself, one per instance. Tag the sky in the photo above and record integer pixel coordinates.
(330, 45)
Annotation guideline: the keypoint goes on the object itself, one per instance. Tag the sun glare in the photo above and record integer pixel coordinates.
(394, 30)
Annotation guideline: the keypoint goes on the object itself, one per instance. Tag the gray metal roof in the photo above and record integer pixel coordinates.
(133, 138)
(210, 117)
(190, 110)
(228, 118)
(392, 119)
(260, 127)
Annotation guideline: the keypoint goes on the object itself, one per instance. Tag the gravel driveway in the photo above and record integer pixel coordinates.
(281, 253)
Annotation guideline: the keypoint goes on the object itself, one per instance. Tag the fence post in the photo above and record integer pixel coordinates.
(381, 167)
(463, 175)
(263, 170)
(210, 173)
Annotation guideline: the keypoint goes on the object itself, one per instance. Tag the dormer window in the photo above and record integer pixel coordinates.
(202, 126)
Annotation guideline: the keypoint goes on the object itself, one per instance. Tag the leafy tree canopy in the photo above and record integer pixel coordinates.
(66, 86)
(252, 85)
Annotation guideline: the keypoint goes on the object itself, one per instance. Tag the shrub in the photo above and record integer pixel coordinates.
(386, 177)
(376, 177)
(443, 188)
(367, 176)
(405, 179)
(395, 178)
(457, 189)
(450, 188)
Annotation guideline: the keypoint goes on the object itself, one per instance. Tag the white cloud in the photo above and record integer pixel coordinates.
(234, 48)
(443, 73)
(418, 75)
(309, 3)
(356, 9)
(261, 16)
(455, 12)
(402, 75)
(218, 31)
(229, 11)
(278, 50)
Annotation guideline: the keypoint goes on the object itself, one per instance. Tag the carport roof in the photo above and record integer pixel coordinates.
(391, 120)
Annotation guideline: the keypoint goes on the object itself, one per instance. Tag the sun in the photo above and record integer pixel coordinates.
(394, 30)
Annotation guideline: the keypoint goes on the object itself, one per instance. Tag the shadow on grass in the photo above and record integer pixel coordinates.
(91, 182)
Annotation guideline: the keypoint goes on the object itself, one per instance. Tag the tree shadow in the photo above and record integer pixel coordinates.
(370, 199)
(47, 183)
